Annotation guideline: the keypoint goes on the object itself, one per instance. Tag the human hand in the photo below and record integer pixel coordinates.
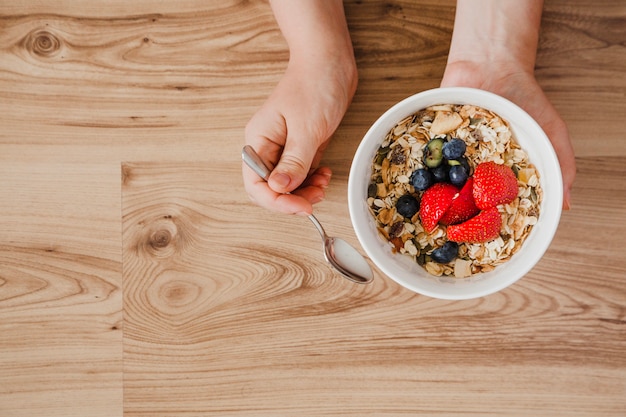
(290, 132)
(494, 45)
(521, 88)
(293, 127)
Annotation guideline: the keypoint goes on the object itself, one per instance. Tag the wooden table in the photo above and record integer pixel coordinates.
(137, 279)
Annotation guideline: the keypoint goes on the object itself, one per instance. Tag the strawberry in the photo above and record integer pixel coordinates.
(481, 228)
(493, 184)
(462, 207)
(435, 202)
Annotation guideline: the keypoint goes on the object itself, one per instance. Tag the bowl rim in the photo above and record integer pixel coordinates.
(541, 154)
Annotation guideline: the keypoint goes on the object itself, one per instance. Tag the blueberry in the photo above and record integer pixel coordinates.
(445, 253)
(440, 173)
(407, 206)
(432, 153)
(421, 179)
(463, 161)
(458, 175)
(453, 149)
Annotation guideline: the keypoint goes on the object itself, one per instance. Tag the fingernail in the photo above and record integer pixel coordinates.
(317, 199)
(303, 213)
(566, 201)
(281, 179)
(566, 205)
(328, 176)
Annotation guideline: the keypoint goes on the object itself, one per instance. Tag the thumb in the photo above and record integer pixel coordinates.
(293, 167)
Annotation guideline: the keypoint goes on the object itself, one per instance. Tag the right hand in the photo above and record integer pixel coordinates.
(292, 129)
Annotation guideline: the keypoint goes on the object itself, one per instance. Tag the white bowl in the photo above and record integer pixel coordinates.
(402, 268)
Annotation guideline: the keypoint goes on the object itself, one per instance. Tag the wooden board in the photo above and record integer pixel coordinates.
(275, 332)
(136, 278)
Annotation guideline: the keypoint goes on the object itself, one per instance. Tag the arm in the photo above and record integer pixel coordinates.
(292, 128)
(505, 32)
(493, 47)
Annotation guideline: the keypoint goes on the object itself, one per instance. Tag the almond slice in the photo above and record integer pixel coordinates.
(445, 121)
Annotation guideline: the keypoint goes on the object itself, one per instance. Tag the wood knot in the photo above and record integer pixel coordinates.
(43, 43)
(164, 235)
(160, 238)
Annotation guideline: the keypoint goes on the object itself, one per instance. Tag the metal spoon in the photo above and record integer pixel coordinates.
(343, 257)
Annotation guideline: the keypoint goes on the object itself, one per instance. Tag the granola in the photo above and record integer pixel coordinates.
(488, 138)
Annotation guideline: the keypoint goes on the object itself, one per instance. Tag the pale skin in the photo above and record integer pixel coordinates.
(493, 47)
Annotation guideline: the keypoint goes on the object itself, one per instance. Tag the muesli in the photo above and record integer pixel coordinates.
(487, 137)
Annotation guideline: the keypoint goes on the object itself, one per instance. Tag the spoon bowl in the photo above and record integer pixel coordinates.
(337, 252)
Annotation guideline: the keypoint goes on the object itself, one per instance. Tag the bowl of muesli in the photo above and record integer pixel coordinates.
(455, 193)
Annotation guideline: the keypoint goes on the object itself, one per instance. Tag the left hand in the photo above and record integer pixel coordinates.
(521, 88)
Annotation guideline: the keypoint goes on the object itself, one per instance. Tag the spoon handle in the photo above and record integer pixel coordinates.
(252, 159)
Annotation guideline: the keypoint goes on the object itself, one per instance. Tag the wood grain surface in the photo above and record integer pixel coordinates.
(137, 279)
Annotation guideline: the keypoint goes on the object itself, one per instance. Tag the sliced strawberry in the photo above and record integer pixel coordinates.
(494, 184)
(435, 202)
(483, 227)
(462, 207)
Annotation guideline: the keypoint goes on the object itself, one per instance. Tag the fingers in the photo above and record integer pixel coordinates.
(292, 187)
(543, 111)
(523, 89)
(299, 202)
(294, 164)
(557, 131)
(290, 132)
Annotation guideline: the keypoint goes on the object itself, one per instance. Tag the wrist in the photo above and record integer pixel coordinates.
(333, 76)
(501, 33)
(319, 41)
